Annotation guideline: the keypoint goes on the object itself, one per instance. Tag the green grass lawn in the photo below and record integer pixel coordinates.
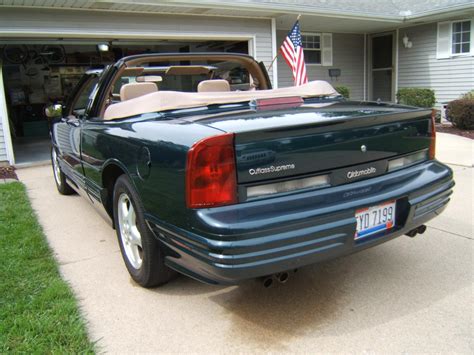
(38, 311)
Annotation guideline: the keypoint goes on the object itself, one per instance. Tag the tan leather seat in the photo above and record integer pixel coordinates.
(217, 85)
(133, 90)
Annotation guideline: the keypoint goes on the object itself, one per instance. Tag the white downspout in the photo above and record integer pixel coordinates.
(365, 66)
(5, 122)
(274, 54)
(395, 75)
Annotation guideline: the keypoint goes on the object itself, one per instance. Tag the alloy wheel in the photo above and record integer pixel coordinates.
(56, 168)
(129, 233)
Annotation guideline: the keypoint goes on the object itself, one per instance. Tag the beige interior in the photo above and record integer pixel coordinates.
(136, 64)
(247, 62)
(217, 85)
(133, 90)
(170, 100)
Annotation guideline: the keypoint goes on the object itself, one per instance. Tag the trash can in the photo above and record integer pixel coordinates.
(444, 118)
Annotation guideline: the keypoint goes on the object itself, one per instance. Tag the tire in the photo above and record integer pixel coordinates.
(59, 177)
(141, 251)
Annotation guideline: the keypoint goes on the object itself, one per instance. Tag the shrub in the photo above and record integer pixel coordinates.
(343, 90)
(461, 113)
(468, 95)
(416, 97)
(437, 115)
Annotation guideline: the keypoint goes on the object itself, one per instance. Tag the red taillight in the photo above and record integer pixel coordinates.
(432, 151)
(210, 173)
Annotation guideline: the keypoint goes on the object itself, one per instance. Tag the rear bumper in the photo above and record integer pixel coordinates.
(233, 243)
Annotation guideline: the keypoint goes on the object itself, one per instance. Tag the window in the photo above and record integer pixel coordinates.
(461, 38)
(176, 76)
(455, 39)
(82, 99)
(312, 48)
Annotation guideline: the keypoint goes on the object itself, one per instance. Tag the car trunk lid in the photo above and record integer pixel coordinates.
(311, 140)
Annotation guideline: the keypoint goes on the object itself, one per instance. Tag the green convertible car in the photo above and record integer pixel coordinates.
(204, 169)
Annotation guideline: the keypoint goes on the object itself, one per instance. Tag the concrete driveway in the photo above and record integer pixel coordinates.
(407, 295)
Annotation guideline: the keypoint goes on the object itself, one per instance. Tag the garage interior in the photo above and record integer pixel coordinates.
(38, 73)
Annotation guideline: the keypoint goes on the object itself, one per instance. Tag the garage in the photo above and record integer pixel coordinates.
(41, 60)
(38, 73)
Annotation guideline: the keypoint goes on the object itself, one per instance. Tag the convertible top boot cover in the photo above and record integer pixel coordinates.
(173, 100)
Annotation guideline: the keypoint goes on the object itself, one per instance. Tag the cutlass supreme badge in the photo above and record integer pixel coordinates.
(271, 169)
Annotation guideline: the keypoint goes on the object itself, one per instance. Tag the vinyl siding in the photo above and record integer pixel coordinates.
(418, 66)
(348, 55)
(3, 153)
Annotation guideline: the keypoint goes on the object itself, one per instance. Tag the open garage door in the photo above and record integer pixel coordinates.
(37, 73)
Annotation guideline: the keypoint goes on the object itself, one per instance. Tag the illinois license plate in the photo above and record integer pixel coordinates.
(375, 219)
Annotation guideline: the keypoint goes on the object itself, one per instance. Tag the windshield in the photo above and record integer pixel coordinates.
(185, 76)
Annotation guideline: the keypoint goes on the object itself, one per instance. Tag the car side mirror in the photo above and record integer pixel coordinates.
(53, 111)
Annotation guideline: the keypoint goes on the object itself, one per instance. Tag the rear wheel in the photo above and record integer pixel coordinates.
(59, 177)
(141, 252)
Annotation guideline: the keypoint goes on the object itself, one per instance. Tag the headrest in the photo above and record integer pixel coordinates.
(133, 90)
(217, 85)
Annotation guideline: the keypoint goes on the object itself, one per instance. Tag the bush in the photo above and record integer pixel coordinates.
(461, 113)
(468, 95)
(416, 97)
(343, 90)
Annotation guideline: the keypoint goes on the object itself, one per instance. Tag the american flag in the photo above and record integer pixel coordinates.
(292, 51)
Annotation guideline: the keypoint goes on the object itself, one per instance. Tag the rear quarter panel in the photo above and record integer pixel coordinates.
(160, 184)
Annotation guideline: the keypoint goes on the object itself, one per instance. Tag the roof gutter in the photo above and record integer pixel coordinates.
(443, 11)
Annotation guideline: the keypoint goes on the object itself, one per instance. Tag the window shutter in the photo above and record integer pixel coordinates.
(326, 49)
(444, 40)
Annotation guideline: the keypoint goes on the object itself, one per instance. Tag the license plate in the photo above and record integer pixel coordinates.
(375, 219)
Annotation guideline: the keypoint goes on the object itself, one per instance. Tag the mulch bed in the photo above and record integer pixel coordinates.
(8, 172)
(453, 130)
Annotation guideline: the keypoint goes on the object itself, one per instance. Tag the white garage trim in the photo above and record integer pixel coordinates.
(274, 54)
(5, 121)
(129, 35)
(252, 46)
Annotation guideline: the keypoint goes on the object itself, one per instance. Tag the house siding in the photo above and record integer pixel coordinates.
(3, 119)
(3, 151)
(418, 66)
(348, 55)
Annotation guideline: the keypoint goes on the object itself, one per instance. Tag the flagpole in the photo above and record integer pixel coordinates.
(275, 57)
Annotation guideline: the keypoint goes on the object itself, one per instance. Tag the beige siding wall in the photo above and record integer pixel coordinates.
(418, 66)
(348, 55)
(3, 153)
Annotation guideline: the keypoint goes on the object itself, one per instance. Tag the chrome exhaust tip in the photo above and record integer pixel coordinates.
(418, 230)
(422, 229)
(267, 281)
(282, 277)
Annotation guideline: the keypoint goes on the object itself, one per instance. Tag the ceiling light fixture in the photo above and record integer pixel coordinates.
(103, 47)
